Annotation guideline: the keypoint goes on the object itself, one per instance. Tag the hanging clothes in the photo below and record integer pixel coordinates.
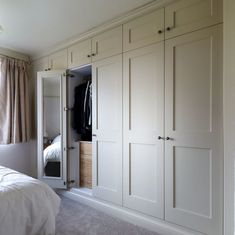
(82, 118)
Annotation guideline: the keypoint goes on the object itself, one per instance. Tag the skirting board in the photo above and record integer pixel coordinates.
(130, 216)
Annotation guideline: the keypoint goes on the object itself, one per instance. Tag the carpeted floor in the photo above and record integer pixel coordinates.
(75, 219)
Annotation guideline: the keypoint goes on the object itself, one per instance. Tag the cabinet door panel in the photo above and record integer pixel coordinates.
(58, 60)
(107, 126)
(107, 44)
(143, 123)
(40, 65)
(193, 154)
(188, 15)
(79, 54)
(144, 30)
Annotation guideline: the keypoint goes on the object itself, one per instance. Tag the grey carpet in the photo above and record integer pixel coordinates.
(75, 218)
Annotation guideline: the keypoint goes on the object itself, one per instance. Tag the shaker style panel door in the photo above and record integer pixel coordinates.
(107, 44)
(144, 30)
(58, 60)
(189, 15)
(79, 54)
(193, 130)
(143, 141)
(40, 65)
(107, 129)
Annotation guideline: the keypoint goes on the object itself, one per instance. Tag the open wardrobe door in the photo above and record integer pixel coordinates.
(51, 126)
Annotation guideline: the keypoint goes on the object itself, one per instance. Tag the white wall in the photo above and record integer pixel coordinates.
(229, 112)
(51, 120)
(16, 156)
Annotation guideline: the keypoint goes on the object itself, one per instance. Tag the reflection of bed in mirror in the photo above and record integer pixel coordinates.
(52, 157)
(51, 127)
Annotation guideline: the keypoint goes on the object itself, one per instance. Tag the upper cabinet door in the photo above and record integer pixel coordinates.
(143, 103)
(58, 60)
(107, 44)
(144, 30)
(79, 54)
(107, 129)
(40, 65)
(189, 15)
(193, 125)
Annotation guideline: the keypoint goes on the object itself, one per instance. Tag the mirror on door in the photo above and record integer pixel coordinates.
(51, 126)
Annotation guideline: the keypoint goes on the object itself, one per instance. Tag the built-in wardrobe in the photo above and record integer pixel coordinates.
(156, 115)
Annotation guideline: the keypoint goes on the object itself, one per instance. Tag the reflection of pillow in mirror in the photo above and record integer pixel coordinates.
(56, 139)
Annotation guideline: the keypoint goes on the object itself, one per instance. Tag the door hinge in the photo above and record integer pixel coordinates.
(69, 182)
(69, 75)
(68, 109)
(69, 148)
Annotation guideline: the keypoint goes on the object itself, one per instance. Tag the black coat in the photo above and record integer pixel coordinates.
(82, 110)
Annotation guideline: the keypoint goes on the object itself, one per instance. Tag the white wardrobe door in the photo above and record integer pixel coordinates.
(193, 109)
(143, 123)
(107, 126)
(184, 16)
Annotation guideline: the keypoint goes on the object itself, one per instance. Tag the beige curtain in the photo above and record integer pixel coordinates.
(14, 101)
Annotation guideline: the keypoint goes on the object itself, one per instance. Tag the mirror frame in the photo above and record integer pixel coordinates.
(54, 182)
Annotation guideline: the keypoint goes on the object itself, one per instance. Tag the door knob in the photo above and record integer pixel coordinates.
(168, 138)
(168, 28)
(93, 54)
(160, 137)
(160, 31)
(88, 56)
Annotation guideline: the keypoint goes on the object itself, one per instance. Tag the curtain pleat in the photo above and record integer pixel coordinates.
(14, 101)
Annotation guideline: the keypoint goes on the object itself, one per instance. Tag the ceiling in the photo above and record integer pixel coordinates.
(32, 26)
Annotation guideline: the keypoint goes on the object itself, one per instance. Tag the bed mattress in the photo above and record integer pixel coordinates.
(27, 206)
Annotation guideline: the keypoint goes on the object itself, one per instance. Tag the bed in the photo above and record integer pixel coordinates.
(52, 157)
(27, 206)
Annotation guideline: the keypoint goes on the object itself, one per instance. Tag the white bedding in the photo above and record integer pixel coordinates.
(27, 206)
(52, 153)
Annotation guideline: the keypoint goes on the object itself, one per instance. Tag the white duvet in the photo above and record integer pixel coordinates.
(52, 153)
(27, 206)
